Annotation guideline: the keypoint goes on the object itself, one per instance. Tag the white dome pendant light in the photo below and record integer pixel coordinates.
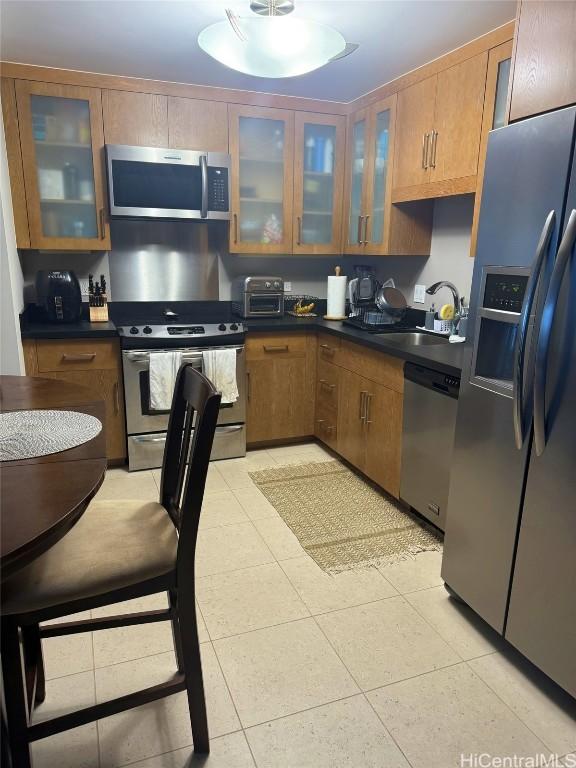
(272, 43)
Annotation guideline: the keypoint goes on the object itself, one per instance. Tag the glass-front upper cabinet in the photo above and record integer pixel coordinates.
(262, 150)
(62, 143)
(377, 221)
(356, 181)
(369, 178)
(318, 183)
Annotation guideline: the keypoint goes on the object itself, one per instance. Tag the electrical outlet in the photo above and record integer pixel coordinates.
(419, 294)
(287, 287)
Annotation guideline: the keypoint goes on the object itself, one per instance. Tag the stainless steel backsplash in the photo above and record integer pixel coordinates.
(165, 260)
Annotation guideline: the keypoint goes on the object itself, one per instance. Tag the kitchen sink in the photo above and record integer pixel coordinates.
(414, 338)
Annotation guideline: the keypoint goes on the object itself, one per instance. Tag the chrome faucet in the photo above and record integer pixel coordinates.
(435, 287)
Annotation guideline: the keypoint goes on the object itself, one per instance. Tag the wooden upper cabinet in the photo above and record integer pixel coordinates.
(438, 133)
(494, 116)
(15, 168)
(262, 150)
(544, 58)
(197, 124)
(458, 119)
(62, 139)
(415, 122)
(319, 150)
(137, 119)
(378, 200)
(355, 193)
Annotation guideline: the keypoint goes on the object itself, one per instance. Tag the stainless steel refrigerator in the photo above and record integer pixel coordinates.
(510, 546)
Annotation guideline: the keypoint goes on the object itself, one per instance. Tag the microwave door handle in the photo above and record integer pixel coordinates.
(545, 333)
(519, 407)
(204, 172)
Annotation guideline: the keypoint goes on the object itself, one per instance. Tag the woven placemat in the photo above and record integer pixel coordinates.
(28, 434)
(340, 520)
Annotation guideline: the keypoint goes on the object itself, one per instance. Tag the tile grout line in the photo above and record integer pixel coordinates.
(508, 707)
(405, 756)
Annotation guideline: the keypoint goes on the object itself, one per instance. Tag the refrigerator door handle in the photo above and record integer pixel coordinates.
(545, 333)
(519, 408)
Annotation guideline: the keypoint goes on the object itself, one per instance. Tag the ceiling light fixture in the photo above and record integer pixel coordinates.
(273, 43)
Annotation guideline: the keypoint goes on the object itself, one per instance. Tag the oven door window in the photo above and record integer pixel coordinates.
(156, 185)
(260, 304)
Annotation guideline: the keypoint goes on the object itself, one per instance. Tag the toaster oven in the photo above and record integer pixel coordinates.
(258, 296)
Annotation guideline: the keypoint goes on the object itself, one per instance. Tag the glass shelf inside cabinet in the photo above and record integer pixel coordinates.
(63, 147)
(261, 180)
(380, 176)
(358, 153)
(318, 184)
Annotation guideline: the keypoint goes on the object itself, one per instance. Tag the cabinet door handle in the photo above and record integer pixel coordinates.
(362, 415)
(433, 149)
(102, 224)
(235, 223)
(283, 348)
(366, 218)
(327, 349)
(367, 418)
(116, 398)
(359, 237)
(425, 138)
(79, 357)
(248, 387)
(324, 383)
(299, 231)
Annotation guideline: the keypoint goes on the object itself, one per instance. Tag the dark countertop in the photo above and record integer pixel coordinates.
(443, 357)
(81, 330)
(446, 358)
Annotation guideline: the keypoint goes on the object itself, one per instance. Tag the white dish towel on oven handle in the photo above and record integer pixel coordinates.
(220, 367)
(164, 367)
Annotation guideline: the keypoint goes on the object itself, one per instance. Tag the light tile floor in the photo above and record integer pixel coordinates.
(367, 669)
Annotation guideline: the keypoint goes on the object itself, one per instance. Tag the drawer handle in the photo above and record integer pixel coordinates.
(324, 383)
(79, 358)
(367, 413)
(283, 348)
(328, 349)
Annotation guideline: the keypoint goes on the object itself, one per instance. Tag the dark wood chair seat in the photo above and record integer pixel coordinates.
(118, 550)
(114, 545)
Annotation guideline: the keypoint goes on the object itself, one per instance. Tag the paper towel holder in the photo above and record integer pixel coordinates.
(337, 274)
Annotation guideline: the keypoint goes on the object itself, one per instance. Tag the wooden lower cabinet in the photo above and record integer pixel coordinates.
(46, 358)
(280, 370)
(360, 415)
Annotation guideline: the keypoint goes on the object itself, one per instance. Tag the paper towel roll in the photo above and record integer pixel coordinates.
(336, 304)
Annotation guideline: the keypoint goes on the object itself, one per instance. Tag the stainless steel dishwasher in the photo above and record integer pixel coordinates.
(430, 405)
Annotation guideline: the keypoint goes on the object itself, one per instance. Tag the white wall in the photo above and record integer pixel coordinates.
(11, 295)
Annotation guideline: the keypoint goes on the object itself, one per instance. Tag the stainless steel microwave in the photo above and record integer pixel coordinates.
(151, 183)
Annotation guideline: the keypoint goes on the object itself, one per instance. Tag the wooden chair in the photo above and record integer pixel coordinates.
(118, 551)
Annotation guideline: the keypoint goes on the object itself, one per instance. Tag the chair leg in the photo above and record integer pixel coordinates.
(193, 670)
(33, 657)
(173, 602)
(15, 704)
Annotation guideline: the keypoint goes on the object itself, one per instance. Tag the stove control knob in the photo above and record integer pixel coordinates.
(267, 284)
(233, 327)
(147, 329)
(221, 327)
(134, 329)
(276, 284)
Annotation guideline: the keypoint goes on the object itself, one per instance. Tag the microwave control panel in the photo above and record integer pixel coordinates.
(218, 199)
(504, 292)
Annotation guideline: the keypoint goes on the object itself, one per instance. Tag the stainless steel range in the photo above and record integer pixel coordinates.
(147, 428)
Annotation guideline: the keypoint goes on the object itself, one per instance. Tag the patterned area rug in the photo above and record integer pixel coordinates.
(340, 520)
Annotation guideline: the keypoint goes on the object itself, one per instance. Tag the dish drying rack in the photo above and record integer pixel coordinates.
(370, 318)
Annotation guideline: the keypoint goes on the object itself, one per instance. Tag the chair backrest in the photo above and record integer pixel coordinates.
(189, 439)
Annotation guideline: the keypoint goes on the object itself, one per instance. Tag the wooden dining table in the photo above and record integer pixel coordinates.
(42, 498)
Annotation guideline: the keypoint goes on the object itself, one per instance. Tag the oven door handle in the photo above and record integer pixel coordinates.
(149, 438)
(144, 356)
